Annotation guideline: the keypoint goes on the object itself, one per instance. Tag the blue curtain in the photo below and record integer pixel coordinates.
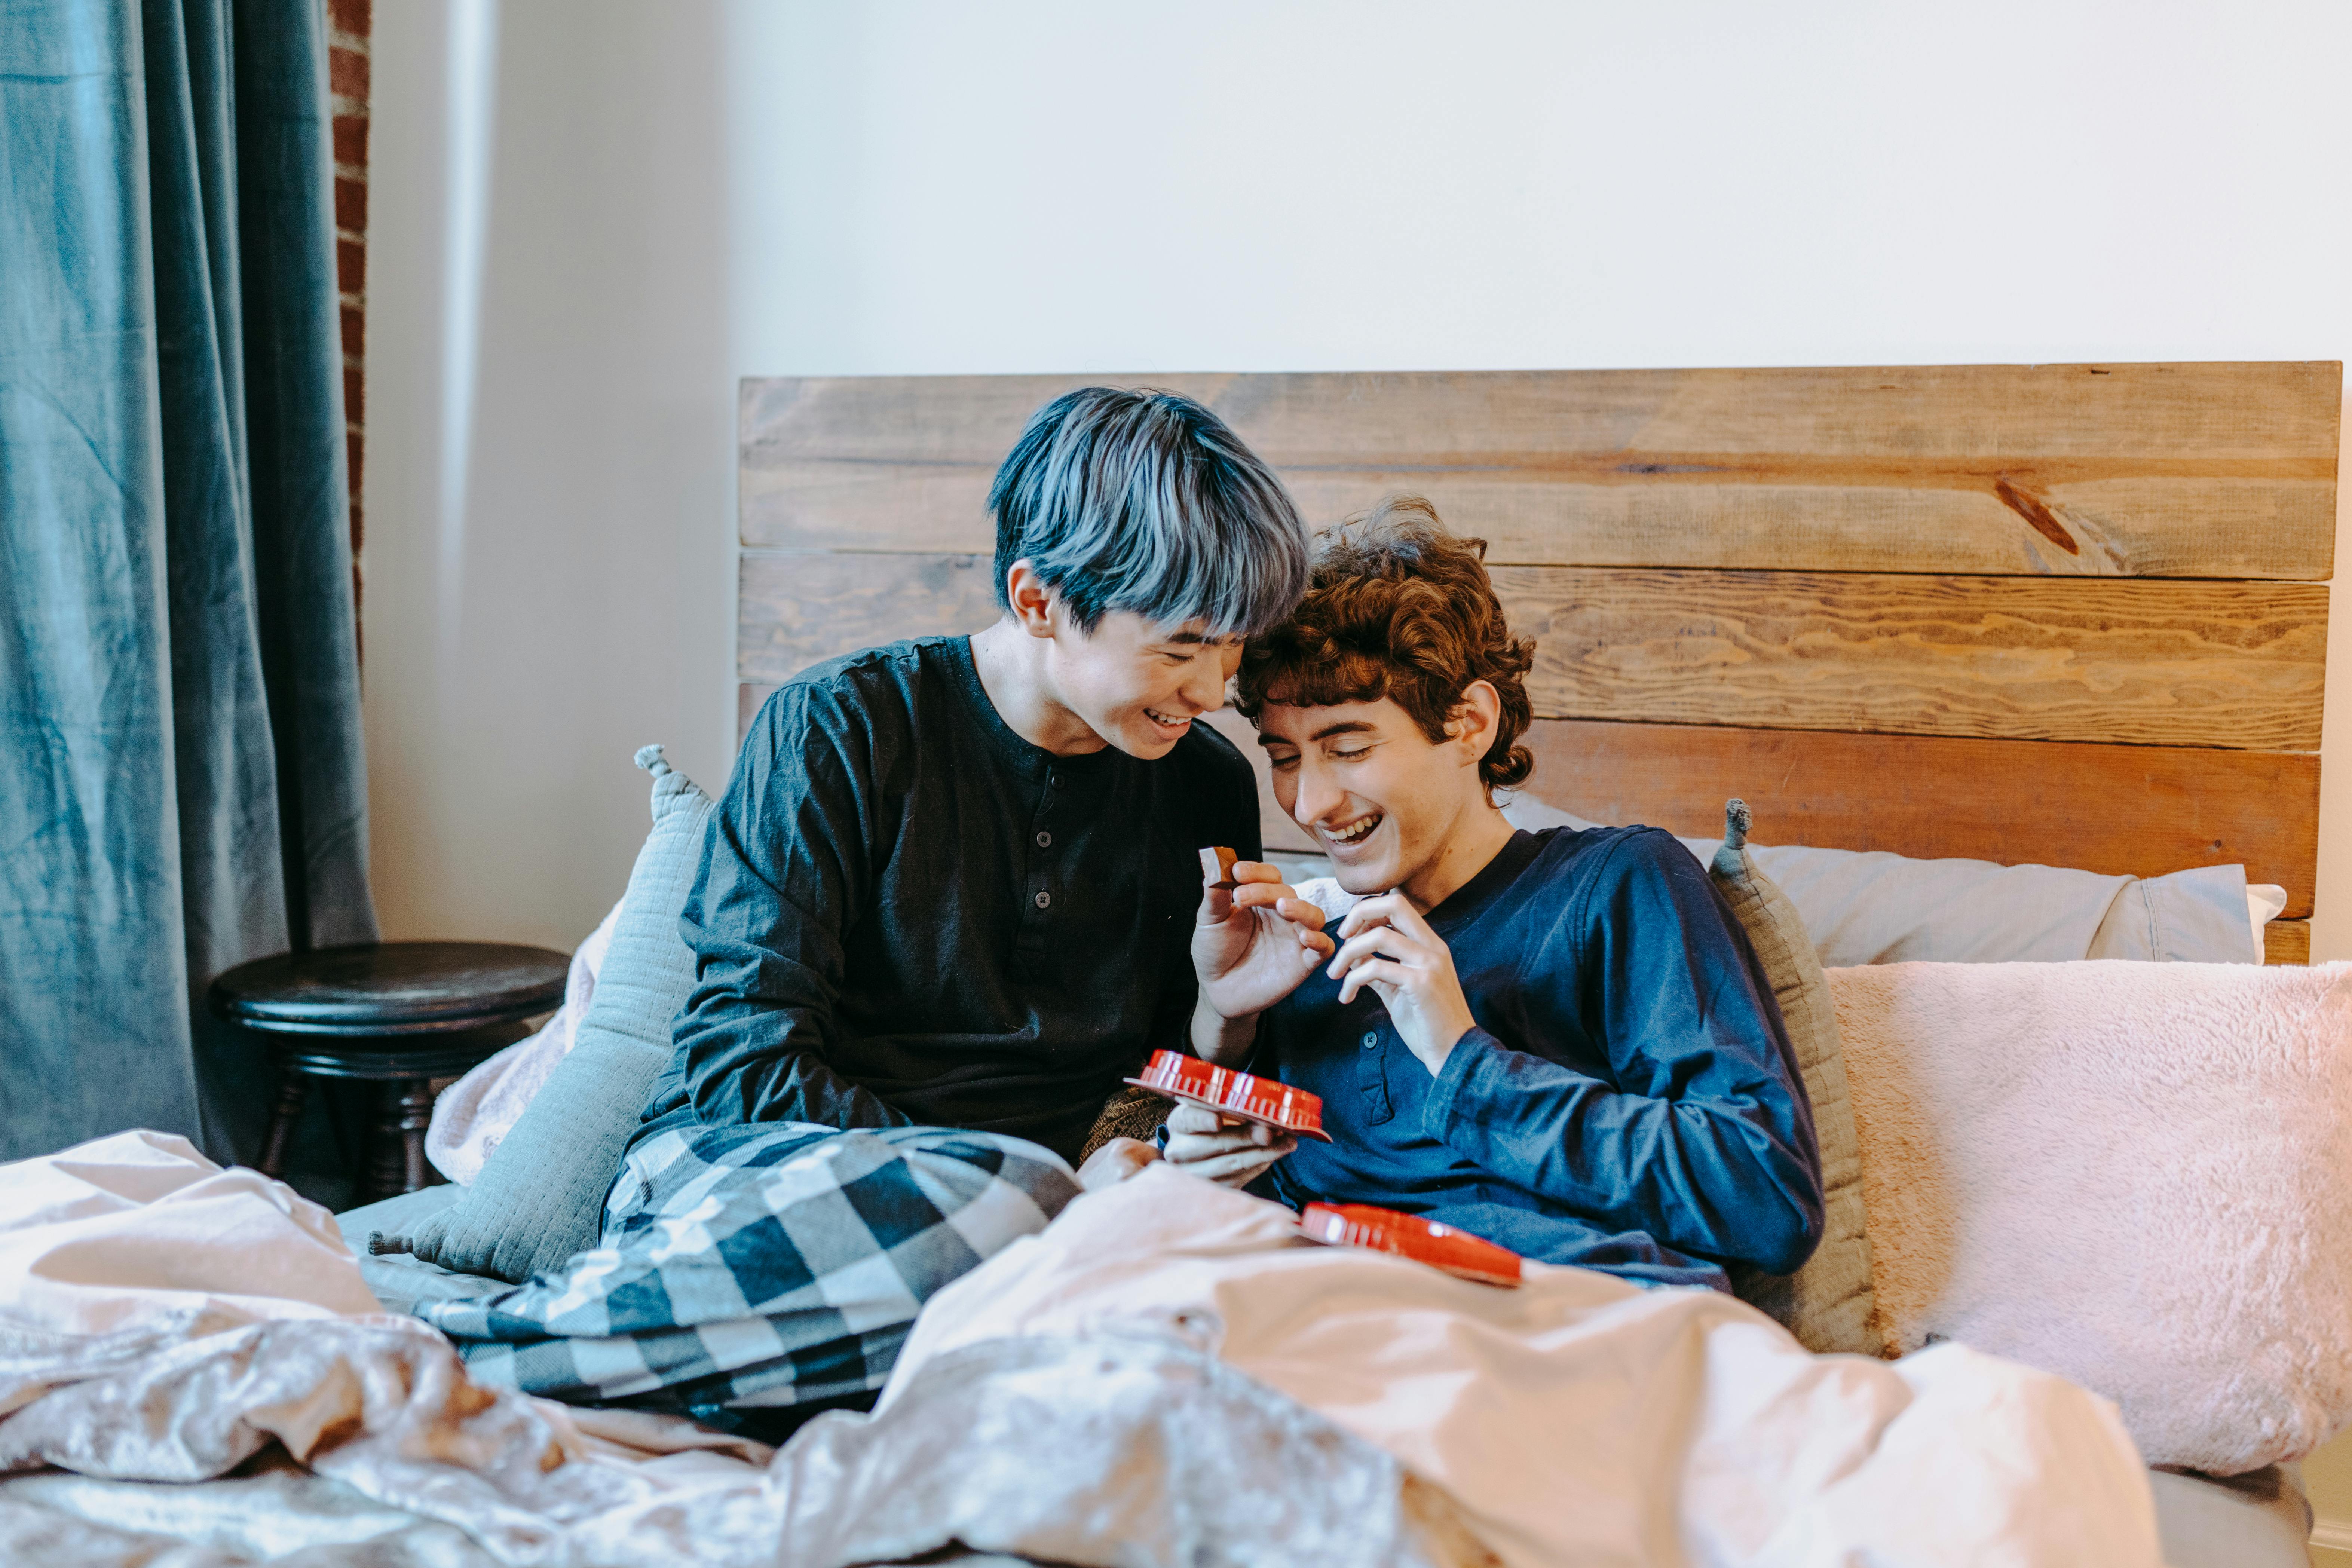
(179, 681)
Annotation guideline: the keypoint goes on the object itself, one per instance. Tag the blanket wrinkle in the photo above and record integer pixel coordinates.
(1580, 1419)
(1165, 1458)
(1167, 1374)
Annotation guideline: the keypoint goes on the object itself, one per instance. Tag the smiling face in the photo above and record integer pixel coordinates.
(1137, 684)
(1391, 806)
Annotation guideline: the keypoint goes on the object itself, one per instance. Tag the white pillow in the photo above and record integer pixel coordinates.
(1872, 906)
(2137, 1175)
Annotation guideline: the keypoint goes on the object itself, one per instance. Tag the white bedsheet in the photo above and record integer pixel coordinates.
(165, 1320)
(1579, 1419)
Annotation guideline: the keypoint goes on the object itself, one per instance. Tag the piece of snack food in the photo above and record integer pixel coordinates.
(1217, 863)
(1410, 1236)
(1236, 1094)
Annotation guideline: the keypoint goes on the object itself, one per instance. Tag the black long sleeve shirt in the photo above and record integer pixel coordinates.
(906, 913)
(1628, 1101)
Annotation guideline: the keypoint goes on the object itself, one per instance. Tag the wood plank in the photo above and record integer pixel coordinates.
(2287, 942)
(2159, 470)
(2155, 663)
(2136, 810)
(2152, 663)
(794, 610)
(2162, 809)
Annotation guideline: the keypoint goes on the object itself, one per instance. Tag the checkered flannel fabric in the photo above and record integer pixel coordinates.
(750, 1267)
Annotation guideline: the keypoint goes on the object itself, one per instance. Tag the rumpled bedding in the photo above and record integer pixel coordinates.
(125, 1376)
(1580, 1419)
(1167, 1376)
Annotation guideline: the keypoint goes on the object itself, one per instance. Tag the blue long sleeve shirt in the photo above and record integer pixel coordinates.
(1629, 1100)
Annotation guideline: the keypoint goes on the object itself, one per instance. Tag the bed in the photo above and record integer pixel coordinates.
(2071, 615)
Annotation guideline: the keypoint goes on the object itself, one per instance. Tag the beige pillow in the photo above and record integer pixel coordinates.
(1827, 1304)
(2135, 1175)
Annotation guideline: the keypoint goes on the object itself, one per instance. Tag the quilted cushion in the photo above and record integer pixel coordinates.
(540, 1195)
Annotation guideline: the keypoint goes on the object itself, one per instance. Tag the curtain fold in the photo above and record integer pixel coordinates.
(179, 681)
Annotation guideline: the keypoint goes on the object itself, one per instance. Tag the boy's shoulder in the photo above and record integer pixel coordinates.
(1593, 860)
(890, 682)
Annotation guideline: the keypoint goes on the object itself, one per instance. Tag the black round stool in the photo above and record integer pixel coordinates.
(399, 1014)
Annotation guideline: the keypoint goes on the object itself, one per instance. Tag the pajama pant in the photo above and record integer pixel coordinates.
(750, 1267)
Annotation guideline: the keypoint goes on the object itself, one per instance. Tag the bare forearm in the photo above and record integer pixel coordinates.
(1222, 1041)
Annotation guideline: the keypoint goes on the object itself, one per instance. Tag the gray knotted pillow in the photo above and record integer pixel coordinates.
(1828, 1304)
(540, 1195)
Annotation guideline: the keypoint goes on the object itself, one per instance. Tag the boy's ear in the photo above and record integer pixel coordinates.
(1475, 717)
(1031, 602)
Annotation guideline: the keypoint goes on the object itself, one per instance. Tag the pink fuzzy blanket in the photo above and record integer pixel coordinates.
(2138, 1176)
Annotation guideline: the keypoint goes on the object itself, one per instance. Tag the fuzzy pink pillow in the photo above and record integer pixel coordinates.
(2137, 1175)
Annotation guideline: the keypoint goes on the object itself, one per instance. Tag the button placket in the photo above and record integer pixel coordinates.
(1040, 899)
(1371, 1075)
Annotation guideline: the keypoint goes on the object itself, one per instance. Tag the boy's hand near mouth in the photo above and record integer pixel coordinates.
(1390, 948)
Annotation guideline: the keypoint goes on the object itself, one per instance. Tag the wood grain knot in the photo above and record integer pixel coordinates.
(2031, 508)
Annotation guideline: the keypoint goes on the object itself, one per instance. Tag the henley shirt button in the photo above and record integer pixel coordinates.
(1044, 900)
(1372, 1038)
(1044, 841)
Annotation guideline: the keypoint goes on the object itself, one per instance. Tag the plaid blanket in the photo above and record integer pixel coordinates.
(752, 1266)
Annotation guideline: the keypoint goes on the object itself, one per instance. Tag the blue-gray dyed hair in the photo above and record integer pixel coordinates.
(1146, 501)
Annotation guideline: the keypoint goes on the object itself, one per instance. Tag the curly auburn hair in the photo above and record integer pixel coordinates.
(1397, 608)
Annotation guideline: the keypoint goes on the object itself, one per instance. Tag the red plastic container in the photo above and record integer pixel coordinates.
(1231, 1093)
(1410, 1236)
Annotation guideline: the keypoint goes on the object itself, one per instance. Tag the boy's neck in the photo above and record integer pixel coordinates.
(1469, 850)
(1012, 669)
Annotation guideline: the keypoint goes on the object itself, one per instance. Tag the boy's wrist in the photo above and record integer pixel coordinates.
(1219, 1039)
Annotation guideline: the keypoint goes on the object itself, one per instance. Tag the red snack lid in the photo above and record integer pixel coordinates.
(1231, 1093)
(1410, 1236)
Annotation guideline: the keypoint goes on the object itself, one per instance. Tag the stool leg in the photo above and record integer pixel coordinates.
(399, 1165)
(293, 1090)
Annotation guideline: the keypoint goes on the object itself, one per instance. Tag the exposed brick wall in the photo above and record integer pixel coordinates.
(349, 24)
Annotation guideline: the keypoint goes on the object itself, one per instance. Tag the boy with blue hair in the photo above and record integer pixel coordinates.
(941, 912)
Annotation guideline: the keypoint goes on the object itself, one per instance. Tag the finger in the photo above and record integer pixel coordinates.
(1411, 921)
(1200, 1162)
(1239, 1170)
(1266, 895)
(1231, 1138)
(1298, 911)
(1372, 972)
(1218, 1140)
(1114, 1163)
(1249, 871)
(1368, 912)
(1188, 1118)
(1216, 904)
(1379, 942)
(1318, 946)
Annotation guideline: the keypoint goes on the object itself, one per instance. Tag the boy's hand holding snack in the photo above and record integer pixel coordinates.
(1254, 941)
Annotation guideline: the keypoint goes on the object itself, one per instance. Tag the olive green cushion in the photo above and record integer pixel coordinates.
(540, 1196)
(1827, 1304)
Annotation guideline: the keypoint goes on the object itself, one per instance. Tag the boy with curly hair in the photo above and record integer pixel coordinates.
(1560, 1041)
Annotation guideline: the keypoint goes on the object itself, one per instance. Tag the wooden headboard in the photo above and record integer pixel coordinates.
(2072, 615)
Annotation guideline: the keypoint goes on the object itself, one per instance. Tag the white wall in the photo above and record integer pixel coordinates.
(680, 195)
(550, 573)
